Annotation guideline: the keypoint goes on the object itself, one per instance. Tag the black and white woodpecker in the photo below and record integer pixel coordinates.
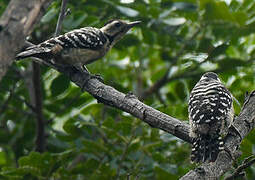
(210, 115)
(80, 46)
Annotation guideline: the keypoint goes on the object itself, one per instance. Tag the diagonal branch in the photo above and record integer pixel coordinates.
(128, 103)
(61, 17)
(239, 170)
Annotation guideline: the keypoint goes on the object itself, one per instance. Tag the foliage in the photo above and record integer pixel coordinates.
(89, 140)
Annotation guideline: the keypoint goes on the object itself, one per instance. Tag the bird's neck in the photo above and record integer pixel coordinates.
(111, 39)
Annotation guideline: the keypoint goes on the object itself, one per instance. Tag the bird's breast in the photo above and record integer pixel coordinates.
(82, 56)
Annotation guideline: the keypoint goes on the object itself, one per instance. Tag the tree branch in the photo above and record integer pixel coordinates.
(61, 17)
(239, 170)
(126, 102)
(37, 89)
(37, 92)
(16, 23)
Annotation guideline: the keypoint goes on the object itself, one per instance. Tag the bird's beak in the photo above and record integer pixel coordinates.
(132, 24)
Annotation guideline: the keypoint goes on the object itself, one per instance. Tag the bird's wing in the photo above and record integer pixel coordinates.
(87, 37)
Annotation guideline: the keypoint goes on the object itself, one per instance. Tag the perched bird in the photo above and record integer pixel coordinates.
(81, 46)
(210, 115)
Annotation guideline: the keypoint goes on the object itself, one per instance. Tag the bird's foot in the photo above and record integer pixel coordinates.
(98, 77)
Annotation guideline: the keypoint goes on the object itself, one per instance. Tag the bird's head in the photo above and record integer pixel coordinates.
(116, 29)
(210, 76)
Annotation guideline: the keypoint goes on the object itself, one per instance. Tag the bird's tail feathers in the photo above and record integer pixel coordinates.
(205, 148)
(34, 51)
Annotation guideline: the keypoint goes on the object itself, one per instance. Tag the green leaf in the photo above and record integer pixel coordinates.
(59, 85)
(52, 13)
(174, 21)
(240, 17)
(205, 45)
(2, 158)
(180, 94)
(35, 165)
(93, 146)
(218, 10)
(71, 127)
(219, 50)
(148, 36)
(127, 11)
(185, 6)
(229, 63)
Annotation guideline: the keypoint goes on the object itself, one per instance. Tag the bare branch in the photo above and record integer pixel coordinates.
(33, 83)
(61, 17)
(37, 89)
(239, 170)
(129, 103)
(126, 102)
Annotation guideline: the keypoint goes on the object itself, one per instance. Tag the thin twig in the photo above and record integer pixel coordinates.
(123, 156)
(191, 73)
(239, 170)
(40, 137)
(61, 17)
(37, 92)
(30, 106)
(164, 79)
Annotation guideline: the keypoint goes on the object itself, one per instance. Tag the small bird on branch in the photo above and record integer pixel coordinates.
(80, 46)
(210, 114)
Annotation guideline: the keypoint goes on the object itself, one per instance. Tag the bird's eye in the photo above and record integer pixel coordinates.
(117, 24)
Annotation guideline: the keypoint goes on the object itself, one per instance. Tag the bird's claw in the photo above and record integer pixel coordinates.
(98, 77)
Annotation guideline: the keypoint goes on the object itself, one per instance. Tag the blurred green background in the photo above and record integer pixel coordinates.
(159, 61)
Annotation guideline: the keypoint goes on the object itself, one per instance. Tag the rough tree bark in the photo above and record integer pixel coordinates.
(243, 124)
(16, 23)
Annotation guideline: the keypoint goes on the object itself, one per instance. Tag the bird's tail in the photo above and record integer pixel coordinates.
(34, 51)
(205, 148)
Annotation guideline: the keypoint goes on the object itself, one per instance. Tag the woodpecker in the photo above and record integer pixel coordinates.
(80, 46)
(210, 115)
